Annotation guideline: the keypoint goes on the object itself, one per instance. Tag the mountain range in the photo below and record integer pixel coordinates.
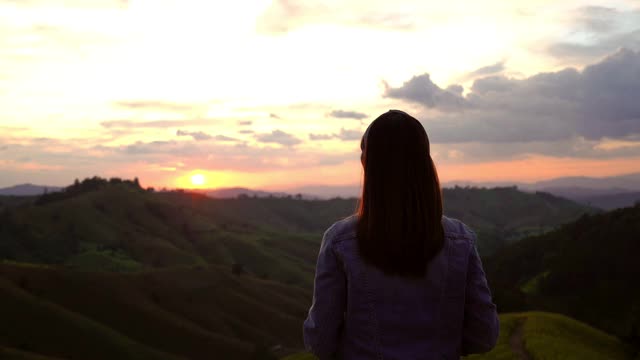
(602, 192)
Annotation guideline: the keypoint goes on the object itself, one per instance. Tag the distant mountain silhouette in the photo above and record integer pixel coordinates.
(603, 192)
(628, 182)
(611, 201)
(28, 190)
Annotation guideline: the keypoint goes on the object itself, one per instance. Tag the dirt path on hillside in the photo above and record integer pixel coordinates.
(516, 341)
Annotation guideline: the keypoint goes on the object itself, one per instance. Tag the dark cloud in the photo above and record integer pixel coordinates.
(601, 101)
(484, 71)
(575, 147)
(278, 137)
(455, 89)
(596, 48)
(420, 89)
(347, 114)
(602, 31)
(348, 135)
(597, 18)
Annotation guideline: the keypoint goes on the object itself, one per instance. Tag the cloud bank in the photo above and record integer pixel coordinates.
(598, 102)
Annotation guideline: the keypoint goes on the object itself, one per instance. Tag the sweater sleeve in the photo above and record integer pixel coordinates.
(481, 326)
(322, 328)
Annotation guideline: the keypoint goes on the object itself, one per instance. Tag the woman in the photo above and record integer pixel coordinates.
(398, 280)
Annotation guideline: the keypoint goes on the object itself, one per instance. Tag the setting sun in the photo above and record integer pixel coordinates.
(198, 179)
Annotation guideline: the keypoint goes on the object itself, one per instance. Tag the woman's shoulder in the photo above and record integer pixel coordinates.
(454, 228)
(343, 229)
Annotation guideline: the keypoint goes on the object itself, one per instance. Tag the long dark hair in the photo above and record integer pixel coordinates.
(400, 211)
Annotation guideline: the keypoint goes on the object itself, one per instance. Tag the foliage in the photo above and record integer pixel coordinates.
(584, 269)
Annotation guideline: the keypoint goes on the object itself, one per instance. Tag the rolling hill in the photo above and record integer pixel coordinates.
(117, 226)
(134, 273)
(587, 269)
(195, 313)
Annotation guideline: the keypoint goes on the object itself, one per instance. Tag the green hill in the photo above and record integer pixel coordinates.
(538, 335)
(544, 336)
(116, 226)
(586, 269)
(195, 313)
(503, 215)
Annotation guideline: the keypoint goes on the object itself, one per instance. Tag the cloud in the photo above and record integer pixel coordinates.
(574, 147)
(94, 4)
(202, 136)
(598, 31)
(347, 114)
(597, 48)
(321, 136)
(347, 135)
(155, 105)
(196, 135)
(246, 131)
(344, 135)
(245, 122)
(597, 18)
(129, 124)
(484, 71)
(601, 101)
(420, 89)
(287, 15)
(278, 137)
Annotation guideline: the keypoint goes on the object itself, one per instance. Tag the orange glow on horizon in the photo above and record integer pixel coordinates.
(200, 179)
(537, 168)
(531, 169)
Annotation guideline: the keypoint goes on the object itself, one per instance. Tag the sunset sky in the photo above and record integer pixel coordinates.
(276, 94)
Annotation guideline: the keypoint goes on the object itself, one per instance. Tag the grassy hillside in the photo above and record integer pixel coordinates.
(119, 227)
(503, 215)
(538, 335)
(544, 336)
(190, 313)
(587, 269)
